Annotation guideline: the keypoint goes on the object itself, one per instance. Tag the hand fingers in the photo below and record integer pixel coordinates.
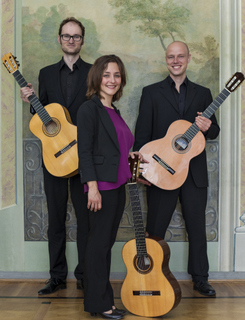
(26, 92)
(94, 205)
(140, 156)
(203, 123)
(144, 160)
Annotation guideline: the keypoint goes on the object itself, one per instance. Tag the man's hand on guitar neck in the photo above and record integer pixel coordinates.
(26, 92)
(202, 122)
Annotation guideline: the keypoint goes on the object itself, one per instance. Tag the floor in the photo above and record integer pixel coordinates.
(19, 301)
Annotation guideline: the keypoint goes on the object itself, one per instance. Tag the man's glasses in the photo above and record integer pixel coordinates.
(67, 37)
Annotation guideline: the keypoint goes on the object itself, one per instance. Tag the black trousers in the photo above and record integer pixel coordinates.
(56, 190)
(98, 293)
(161, 205)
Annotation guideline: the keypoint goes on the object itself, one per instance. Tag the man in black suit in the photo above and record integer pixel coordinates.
(176, 97)
(64, 83)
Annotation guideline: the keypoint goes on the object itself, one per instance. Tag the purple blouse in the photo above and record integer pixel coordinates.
(125, 140)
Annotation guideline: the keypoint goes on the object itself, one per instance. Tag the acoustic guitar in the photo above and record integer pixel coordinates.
(169, 156)
(149, 288)
(53, 126)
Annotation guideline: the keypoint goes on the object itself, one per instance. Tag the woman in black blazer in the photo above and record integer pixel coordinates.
(104, 141)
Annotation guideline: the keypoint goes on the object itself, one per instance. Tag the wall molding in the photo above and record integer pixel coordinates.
(121, 275)
(230, 134)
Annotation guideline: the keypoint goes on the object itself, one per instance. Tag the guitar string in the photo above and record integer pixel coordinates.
(193, 130)
(41, 111)
(139, 234)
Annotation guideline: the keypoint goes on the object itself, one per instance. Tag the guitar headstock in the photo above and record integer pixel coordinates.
(134, 169)
(10, 62)
(235, 81)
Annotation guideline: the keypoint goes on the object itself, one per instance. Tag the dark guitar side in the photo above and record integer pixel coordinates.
(158, 279)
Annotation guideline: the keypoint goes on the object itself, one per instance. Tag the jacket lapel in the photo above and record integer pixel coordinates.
(106, 120)
(190, 94)
(168, 93)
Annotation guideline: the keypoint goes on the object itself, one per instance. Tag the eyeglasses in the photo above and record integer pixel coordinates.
(67, 37)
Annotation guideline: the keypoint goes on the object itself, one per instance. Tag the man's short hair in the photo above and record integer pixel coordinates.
(74, 20)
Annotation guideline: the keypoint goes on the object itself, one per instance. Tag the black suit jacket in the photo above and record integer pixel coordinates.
(50, 88)
(158, 109)
(98, 147)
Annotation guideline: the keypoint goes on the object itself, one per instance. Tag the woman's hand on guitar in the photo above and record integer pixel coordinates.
(142, 161)
(94, 196)
(202, 122)
(26, 92)
(138, 154)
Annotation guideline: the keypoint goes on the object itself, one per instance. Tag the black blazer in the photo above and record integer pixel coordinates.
(98, 147)
(50, 88)
(158, 109)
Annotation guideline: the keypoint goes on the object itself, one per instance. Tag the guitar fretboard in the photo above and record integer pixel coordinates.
(193, 130)
(138, 220)
(37, 106)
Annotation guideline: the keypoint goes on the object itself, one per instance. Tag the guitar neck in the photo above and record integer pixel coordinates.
(138, 220)
(193, 130)
(37, 106)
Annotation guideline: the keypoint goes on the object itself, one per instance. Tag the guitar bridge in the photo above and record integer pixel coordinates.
(59, 153)
(146, 293)
(163, 164)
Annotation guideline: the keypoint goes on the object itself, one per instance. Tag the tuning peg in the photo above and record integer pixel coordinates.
(17, 62)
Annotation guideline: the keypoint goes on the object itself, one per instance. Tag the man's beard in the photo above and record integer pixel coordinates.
(75, 52)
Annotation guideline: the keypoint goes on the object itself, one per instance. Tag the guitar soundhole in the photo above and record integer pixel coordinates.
(143, 264)
(180, 144)
(52, 128)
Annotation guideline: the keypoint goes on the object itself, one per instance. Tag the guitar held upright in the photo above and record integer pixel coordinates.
(52, 125)
(149, 288)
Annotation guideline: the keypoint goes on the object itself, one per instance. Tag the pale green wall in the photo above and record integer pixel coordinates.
(12, 244)
(16, 255)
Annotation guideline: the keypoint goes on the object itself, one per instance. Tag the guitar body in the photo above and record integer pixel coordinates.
(177, 160)
(154, 291)
(164, 150)
(55, 137)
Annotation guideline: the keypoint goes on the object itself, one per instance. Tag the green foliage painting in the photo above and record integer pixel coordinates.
(138, 31)
(156, 18)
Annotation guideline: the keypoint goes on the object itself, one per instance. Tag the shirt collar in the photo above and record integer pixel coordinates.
(171, 81)
(77, 64)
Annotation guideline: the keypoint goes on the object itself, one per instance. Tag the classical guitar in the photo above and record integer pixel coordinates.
(169, 156)
(149, 288)
(52, 125)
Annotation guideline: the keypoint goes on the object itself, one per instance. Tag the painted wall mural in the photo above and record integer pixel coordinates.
(139, 32)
